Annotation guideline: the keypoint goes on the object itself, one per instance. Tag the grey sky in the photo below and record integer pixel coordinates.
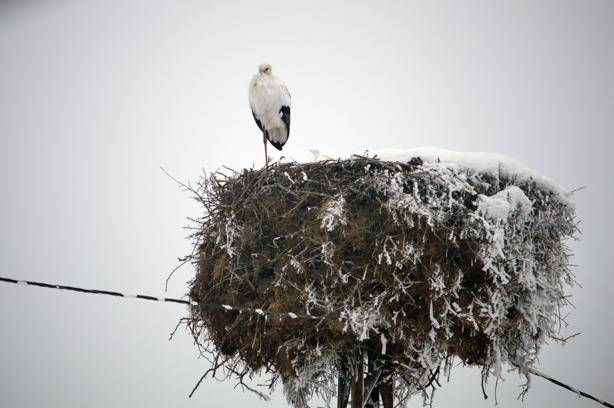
(95, 96)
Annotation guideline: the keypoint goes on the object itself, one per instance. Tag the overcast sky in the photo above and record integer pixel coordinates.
(95, 96)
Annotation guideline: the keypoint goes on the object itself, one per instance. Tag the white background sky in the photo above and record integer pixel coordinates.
(96, 96)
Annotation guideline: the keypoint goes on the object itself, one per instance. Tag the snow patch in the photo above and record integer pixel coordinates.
(494, 164)
(499, 206)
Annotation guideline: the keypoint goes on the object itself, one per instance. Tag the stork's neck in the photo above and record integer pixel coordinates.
(267, 77)
(264, 80)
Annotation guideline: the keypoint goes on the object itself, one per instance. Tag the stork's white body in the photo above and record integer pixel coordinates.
(270, 102)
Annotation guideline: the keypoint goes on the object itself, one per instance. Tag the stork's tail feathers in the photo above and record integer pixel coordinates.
(278, 137)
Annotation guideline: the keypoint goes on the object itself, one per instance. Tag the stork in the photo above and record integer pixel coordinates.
(269, 100)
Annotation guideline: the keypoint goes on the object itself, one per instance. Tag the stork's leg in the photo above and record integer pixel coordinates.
(266, 156)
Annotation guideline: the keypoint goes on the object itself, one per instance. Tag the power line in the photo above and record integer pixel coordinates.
(260, 312)
(569, 387)
(208, 306)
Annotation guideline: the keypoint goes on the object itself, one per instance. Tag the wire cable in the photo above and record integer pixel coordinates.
(207, 306)
(261, 312)
(569, 387)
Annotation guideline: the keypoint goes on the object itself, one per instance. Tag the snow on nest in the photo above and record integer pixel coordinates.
(499, 206)
(463, 162)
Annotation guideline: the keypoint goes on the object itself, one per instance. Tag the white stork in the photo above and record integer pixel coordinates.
(269, 100)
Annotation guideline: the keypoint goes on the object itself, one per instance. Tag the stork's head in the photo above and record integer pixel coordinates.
(265, 69)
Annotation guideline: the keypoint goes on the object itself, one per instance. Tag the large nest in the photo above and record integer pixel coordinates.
(410, 263)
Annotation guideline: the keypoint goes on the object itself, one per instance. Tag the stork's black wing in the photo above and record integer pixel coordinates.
(257, 121)
(285, 117)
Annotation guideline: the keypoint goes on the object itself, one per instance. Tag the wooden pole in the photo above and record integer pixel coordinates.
(386, 388)
(386, 391)
(341, 400)
(358, 381)
(372, 400)
(343, 384)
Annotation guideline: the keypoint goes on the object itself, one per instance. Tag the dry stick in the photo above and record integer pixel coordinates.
(183, 261)
(213, 370)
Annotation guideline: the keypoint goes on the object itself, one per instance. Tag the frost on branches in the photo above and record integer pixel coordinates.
(415, 262)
